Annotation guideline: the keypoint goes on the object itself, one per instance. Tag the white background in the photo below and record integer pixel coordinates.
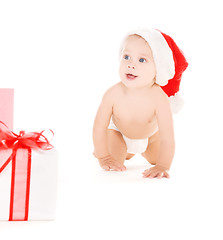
(61, 56)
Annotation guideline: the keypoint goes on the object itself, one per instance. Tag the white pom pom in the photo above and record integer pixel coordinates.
(176, 103)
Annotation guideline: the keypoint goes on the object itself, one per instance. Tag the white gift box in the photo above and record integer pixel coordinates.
(43, 185)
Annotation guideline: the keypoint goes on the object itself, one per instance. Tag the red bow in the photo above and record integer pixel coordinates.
(9, 139)
(31, 140)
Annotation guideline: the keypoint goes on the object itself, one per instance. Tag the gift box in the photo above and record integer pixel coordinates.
(7, 106)
(28, 176)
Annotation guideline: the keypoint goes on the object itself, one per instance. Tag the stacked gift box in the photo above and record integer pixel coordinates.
(28, 169)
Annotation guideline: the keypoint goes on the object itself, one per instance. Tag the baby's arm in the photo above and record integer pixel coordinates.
(166, 134)
(101, 123)
(100, 139)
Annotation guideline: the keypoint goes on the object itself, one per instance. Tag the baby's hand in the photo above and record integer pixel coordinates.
(108, 163)
(156, 172)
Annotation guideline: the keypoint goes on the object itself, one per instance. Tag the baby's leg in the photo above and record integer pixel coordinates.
(118, 152)
(116, 146)
(129, 156)
(152, 151)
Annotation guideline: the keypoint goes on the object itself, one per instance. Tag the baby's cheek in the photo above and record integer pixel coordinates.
(121, 70)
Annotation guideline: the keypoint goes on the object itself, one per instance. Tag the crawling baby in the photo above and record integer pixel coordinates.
(135, 115)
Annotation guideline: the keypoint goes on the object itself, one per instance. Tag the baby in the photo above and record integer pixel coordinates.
(135, 114)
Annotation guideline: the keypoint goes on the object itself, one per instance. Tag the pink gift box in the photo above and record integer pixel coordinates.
(7, 106)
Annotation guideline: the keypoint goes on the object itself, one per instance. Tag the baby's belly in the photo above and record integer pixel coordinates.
(136, 130)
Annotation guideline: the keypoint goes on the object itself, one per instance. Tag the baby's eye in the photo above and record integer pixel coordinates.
(142, 60)
(126, 57)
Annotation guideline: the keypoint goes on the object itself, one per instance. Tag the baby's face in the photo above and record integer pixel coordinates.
(137, 67)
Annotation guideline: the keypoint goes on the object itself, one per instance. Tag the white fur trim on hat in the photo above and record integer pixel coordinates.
(176, 103)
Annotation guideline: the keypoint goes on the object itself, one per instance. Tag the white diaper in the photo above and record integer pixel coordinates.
(133, 145)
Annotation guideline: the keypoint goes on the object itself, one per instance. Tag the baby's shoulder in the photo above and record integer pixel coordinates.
(113, 92)
(161, 98)
(117, 88)
(159, 93)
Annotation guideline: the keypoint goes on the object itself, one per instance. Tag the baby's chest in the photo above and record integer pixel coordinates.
(134, 111)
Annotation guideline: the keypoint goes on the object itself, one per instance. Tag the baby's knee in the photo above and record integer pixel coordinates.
(129, 156)
(151, 159)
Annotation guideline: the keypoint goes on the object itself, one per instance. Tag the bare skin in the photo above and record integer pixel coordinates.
(137, 106)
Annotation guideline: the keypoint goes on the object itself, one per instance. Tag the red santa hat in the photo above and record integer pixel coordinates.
(169, 61)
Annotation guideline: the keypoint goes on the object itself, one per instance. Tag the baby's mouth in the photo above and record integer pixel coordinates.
(131, 76)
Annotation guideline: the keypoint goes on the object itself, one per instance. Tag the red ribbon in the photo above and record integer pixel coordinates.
(21, 163)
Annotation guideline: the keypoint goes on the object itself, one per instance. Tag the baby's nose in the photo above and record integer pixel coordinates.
(131, 66)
